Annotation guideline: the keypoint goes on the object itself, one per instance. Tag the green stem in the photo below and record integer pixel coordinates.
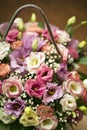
(79, 25)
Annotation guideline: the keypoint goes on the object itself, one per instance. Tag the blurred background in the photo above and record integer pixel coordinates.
(57, 11)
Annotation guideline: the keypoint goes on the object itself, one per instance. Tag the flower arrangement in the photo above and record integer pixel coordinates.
(38, 90)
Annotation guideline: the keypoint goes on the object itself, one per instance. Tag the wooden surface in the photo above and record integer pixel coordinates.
(58, 11)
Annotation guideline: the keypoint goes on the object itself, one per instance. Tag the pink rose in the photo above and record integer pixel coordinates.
(34, 88)
(47, 47)
(45, 111)
(33, 27)
(74, 74)
(45, 74)
(84, 95)
(17, 44)
(74, 87)
(12, 35)
(73, 53)
(0, 87)
(4, 69)
(12, 87)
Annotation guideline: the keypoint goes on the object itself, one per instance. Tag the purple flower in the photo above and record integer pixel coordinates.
(31, 41)
(0, 87)
(77, 117)
(45, 74)
(3, 27)
(63, 72)
(17, 58)
(15, 107)
(12, 35)
(52, 93)
(53, 29)
(73, 43)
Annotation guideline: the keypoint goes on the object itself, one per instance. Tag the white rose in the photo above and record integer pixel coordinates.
(49, 123)
(85, 83)
(68, 103)
(4, 49)
(63, 36)
(74, 87)
(5, 118)
(34, 61)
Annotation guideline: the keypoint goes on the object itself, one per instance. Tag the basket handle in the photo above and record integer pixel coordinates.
(43, 16)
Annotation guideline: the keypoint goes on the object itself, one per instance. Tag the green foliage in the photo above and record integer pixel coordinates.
(28, 128)
(41, 24)
(82, 76)
(14, 126)
(83, 60)
(4, 126)
(71, 27)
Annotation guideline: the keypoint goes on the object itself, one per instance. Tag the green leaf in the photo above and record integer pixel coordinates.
(15, 126)
(70, 30)
(4, 126)
(82, 75)
(41, 24)
(27, 128)
(83, 60)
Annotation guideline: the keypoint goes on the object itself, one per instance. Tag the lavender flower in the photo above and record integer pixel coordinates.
(3, 27)
(76, 116)
(17, 58)
(46, 33)
(63, 72)
(15, 107)
(32, 41)
(52, 93)
(73, 43)
(0, 87)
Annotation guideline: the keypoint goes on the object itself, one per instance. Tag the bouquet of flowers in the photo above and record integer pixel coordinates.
(39, 88)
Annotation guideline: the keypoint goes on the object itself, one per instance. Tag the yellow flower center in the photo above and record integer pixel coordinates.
(69, 102)
(16, 106)
(46, 122)
(35, 88)
(73, 86)
(34, 62)
(13, 88)
(51, 92)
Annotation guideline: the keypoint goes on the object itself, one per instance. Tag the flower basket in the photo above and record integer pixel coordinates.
(40, 86)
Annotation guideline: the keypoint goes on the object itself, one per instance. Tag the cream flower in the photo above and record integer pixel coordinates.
(85, 83)
(63, 36)
(5, 118)
(4, 49)
(74, 87)
(12, 87)
(49, 123)
(29, 117)
(68, 103)
(34, 61)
